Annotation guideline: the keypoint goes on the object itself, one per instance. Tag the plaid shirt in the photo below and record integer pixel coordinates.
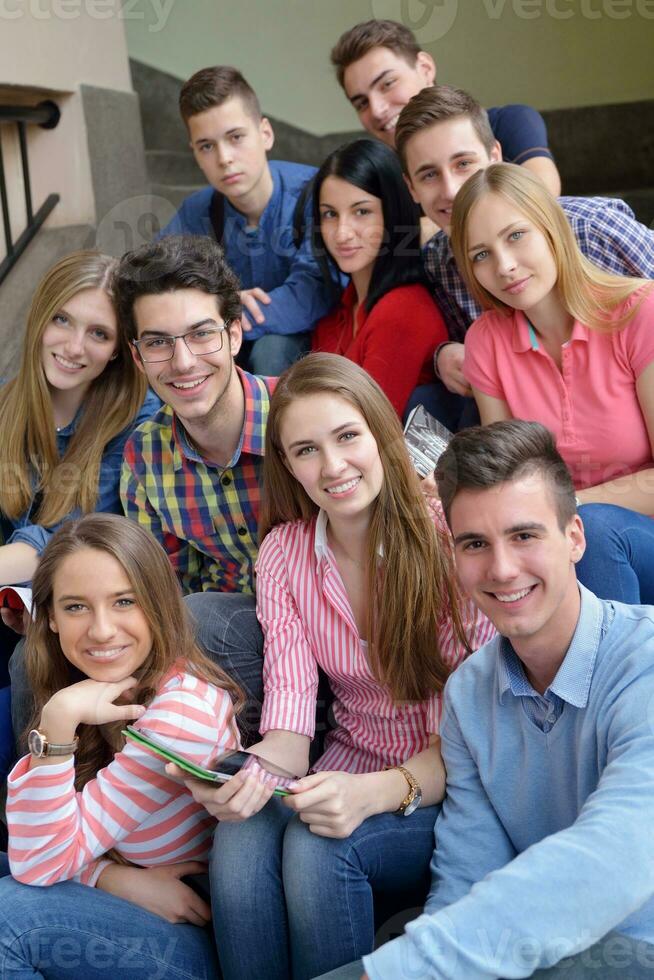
(205, 516)
(606, 232)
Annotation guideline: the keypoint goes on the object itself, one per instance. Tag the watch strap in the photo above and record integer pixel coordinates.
(414, 788)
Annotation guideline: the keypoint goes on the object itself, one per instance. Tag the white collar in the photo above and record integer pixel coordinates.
(320, 545)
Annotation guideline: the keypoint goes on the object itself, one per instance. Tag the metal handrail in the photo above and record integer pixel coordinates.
(46, 115)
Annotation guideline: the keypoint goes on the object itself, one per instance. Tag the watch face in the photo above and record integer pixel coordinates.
(414, 804)
(36, 743)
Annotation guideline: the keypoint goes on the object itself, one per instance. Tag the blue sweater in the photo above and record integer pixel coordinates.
(266, 256)
(545, 841)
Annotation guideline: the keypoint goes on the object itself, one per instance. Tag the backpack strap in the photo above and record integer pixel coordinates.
(217, 216)
(299, 223)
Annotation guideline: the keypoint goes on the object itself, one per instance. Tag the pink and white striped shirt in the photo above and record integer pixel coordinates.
(56, 834)
(307, 622)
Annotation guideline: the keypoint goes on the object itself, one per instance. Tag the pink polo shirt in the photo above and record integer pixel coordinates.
(590, 405)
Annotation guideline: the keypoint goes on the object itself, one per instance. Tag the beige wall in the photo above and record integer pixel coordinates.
(550, 53)
(48, 49)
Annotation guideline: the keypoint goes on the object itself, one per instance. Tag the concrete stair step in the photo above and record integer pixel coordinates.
(175, 194)
(172, 167)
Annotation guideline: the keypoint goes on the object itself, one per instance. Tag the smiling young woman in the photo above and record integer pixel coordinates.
(571, 346)
(354, 577)
(111, 643)
(366, 227)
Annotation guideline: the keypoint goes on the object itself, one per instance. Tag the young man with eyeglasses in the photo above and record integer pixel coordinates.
(191, 475)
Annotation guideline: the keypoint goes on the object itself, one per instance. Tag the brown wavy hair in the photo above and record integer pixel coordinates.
(417, 585)
(29, 460)
(587, 293)
(158, 595)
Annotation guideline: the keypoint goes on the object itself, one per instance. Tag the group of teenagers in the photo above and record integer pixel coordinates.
(206, 484)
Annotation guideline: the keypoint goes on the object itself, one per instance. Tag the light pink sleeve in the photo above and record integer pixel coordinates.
(56, 833)
(480, 356)
(290, 672)
(638, 335)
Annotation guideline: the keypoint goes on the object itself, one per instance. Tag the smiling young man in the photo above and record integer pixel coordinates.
(544, 843)
(191, 474)
(258, 212)
(443, 137)
(380, 67)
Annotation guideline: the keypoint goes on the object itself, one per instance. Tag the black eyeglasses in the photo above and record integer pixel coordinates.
(208, 339)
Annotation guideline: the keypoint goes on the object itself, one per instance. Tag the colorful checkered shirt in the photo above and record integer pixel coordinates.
(204, 515)
(606, 232)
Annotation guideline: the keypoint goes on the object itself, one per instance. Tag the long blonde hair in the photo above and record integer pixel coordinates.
(408, 596)
(157, 593)
(29, 461)
(589, 294)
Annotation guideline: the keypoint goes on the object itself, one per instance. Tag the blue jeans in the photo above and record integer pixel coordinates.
(619, 559)
(317, 902)
(227, 628)
(271, 354)
(596, 963)
(73, 932)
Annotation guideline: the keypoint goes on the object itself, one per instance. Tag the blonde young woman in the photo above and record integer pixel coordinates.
(110, 644)
(64, 420)
(355, 577)
(571, 346)
(68, 413)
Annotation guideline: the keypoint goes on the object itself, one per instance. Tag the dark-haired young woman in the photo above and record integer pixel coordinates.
(365, 226)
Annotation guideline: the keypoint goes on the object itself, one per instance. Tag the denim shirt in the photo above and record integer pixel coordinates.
(266, 256)
(36, 535)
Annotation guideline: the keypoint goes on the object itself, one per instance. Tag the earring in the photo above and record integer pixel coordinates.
(114, 356)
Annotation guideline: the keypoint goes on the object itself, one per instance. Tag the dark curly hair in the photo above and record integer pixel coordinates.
(175, 262)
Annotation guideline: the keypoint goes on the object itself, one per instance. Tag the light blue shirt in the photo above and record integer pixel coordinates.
(545, 841)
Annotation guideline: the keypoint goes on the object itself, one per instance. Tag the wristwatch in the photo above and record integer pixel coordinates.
(413, 799)
(40, 747)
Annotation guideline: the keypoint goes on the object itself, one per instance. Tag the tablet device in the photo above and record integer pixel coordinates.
(221, 768)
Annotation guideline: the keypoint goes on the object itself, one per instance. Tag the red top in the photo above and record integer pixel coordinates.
(394, 343)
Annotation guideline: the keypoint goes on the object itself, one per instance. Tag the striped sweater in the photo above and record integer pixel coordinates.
(56, 834)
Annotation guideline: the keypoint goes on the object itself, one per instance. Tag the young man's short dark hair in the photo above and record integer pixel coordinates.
(435, 104)
(360, 39)
(211, 87)
(175, 262)
(483, 457)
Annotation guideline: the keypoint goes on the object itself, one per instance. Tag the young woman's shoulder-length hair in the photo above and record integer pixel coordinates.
(405, 607)
(588, 293)
(28, 450)
(158, 595)
(375, 168)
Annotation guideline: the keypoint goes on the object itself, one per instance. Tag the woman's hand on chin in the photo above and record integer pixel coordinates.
(91, 702)
(334, 804)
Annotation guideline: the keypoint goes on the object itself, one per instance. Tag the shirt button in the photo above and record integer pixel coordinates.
(242, 531)
(226, 480)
